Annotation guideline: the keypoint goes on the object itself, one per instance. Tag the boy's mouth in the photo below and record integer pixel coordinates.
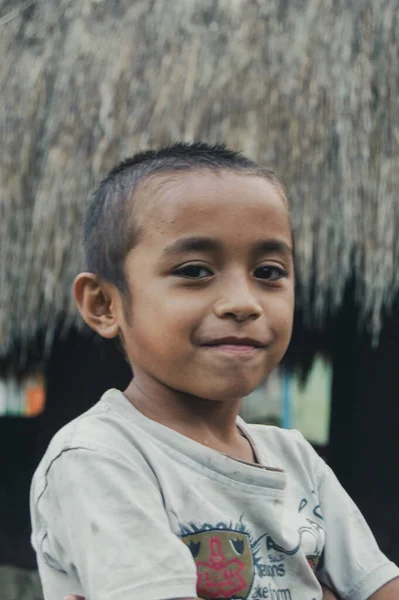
(235, 344)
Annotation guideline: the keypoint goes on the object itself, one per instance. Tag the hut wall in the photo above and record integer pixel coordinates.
(363, 449)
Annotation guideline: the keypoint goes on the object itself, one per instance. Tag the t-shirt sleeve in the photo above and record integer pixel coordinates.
(101, 518)
(353, 564)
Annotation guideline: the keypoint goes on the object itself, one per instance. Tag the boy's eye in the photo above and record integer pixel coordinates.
(193, 272)
(269, 273)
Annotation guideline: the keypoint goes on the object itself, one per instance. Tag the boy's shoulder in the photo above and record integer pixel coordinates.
(103, 427)
(107, 434)
(114, 428)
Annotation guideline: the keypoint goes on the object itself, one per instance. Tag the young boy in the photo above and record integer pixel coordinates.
(162, 491)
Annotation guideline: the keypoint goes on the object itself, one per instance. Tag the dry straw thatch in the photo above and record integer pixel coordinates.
(306, 86)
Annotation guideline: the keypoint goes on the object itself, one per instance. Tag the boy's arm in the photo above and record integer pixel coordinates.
(328, 594)
(104, 513)
(352, 558)
(390, 591)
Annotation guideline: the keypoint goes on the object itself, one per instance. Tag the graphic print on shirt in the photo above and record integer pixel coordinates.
(224, 562)
(233, 564)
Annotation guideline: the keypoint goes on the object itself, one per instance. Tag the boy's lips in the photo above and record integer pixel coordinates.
(235, 343)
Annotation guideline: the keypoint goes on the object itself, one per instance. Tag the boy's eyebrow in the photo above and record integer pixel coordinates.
(207, 244)
(192, 244)
(272, 245)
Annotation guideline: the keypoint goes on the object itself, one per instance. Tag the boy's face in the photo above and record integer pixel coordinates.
(211, 283)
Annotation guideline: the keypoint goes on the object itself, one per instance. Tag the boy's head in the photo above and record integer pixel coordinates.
(189, 257)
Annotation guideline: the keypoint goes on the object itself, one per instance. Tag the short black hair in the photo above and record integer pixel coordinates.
(109, 232)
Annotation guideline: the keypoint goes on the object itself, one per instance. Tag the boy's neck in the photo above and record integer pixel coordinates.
(211, 423)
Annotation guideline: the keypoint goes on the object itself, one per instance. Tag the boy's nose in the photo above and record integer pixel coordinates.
(238, 303)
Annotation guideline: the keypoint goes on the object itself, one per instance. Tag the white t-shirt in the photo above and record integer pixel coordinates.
(124, 508)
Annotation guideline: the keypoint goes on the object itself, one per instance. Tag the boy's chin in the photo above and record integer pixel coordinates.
(228, 393)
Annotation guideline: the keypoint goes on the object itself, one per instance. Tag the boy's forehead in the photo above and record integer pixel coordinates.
(164, 198)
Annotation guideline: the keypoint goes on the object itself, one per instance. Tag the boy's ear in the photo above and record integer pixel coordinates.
(95, 303)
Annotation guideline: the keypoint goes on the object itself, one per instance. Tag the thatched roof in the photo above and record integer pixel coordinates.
(307, 87)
